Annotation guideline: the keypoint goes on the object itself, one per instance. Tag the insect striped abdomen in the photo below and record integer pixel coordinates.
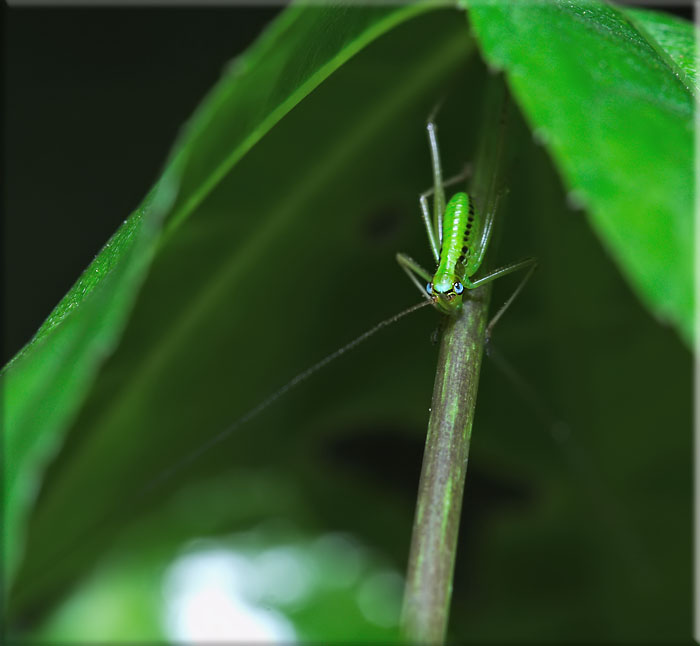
(457, 226)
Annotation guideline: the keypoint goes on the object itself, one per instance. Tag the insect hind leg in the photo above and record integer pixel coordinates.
(438, 186)
(465, 173)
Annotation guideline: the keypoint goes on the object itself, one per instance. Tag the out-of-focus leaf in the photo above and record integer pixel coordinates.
(612, 106)
(268, 584)
(232, 247)
(45, 385)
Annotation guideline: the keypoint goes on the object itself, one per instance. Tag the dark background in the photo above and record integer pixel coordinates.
(93, 101)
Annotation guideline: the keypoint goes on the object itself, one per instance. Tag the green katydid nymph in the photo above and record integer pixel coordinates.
(459, 237)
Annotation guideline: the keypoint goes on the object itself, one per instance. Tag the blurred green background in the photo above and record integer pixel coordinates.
(577, 517)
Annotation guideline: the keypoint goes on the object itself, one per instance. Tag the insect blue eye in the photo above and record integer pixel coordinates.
(429, 288)
(459, 288)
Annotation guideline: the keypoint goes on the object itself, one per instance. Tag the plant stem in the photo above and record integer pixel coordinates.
(429, 580)
(436, 524)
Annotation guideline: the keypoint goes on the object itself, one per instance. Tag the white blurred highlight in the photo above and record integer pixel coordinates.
(208, 598)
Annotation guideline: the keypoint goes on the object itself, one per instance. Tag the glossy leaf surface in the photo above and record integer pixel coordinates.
(614, 107)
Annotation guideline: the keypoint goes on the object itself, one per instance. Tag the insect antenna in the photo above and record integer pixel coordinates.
(186, 461)
(273, 397)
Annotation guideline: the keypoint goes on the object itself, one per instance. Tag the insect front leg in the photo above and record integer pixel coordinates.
(414, 271)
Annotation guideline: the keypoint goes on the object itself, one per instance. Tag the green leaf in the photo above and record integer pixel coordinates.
(612, 106)
(283, 66)
(577, 510)
(673, 38)
(46, 384)
(226, 234)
